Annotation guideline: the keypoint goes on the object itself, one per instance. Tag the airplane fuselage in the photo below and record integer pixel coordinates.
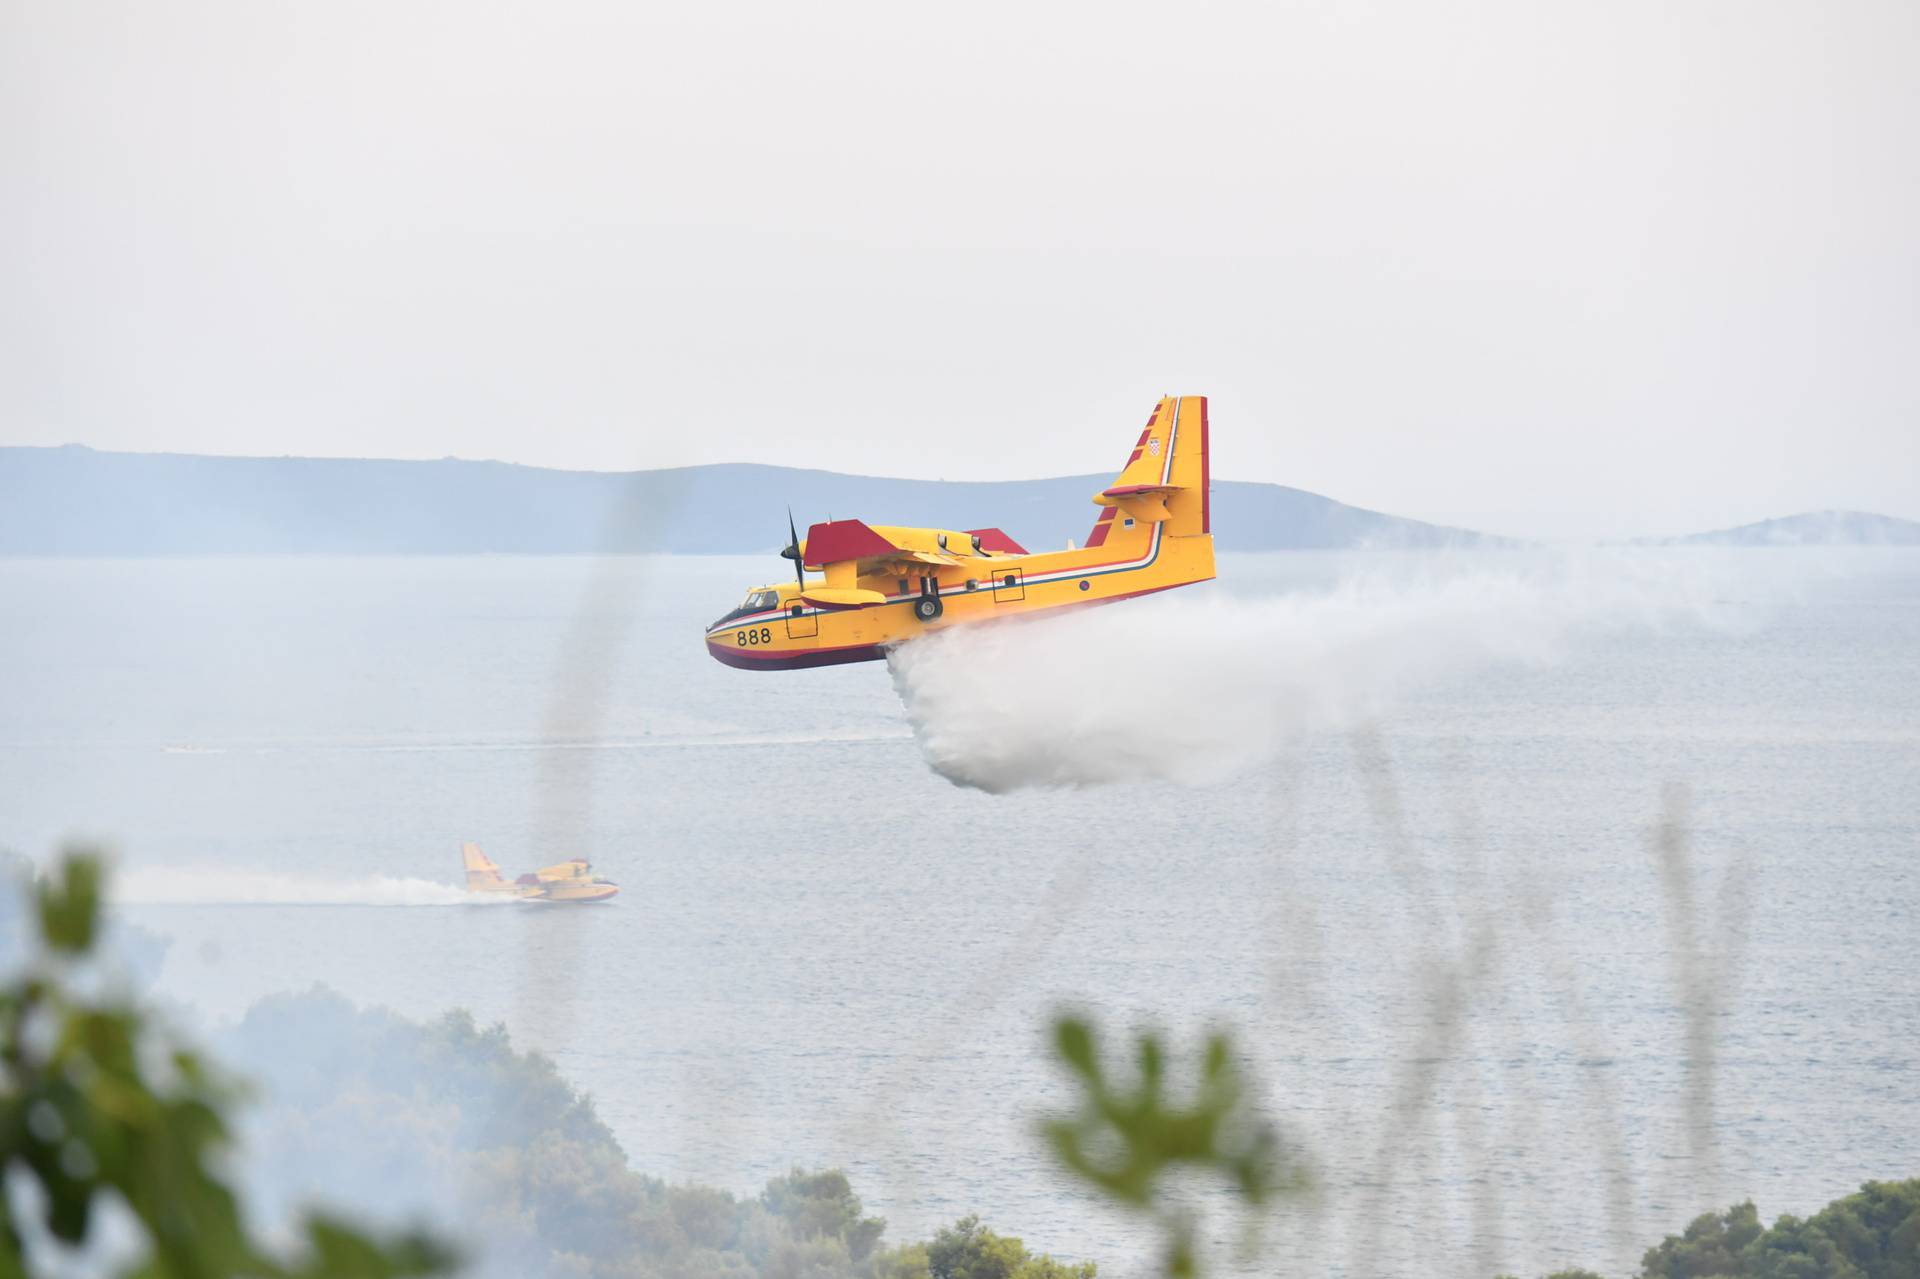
(795, 634)
(884, 586)
(569, 881)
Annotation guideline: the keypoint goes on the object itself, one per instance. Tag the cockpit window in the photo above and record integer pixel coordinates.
(758, 601)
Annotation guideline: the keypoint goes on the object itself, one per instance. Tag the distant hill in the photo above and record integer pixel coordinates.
(79, 501)
(1814, 528)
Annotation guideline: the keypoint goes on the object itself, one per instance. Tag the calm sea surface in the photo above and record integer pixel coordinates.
(1407, 855)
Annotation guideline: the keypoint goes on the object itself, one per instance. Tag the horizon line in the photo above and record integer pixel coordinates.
(1448, 522)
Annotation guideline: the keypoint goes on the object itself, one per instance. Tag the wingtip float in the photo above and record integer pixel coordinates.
(882, 585)
(569, 881)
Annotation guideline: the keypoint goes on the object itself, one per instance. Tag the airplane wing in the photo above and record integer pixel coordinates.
(843, 541)
(995, 542)
(838, 541)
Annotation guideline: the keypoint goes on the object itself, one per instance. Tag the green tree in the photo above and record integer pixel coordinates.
(968, 1250)
(823, 1205)
(1710, 1245)
(107, 1116)
(1874, 1234)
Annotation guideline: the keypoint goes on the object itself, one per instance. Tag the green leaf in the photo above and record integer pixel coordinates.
(1073, 1040)
(1125, 1139)
(69, 903)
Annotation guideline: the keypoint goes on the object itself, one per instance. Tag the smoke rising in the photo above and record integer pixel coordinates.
(1191, 688)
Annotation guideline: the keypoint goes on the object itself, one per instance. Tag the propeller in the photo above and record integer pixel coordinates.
(792, 551)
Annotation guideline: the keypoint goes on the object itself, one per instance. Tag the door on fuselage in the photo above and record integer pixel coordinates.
(1009, 585)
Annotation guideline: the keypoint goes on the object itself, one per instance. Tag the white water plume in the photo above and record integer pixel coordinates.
(219, 886)
(1196, 688)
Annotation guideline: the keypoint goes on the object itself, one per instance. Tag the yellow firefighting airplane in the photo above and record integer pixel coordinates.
(570, 881)
(884, 585)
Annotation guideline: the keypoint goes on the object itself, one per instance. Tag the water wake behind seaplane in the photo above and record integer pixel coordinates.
(219, 886)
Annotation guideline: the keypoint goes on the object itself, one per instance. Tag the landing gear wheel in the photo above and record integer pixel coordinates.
(927, 607)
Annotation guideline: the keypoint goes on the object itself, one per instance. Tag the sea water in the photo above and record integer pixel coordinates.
(1392, 820)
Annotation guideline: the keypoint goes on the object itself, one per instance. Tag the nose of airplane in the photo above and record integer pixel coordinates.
(722, 649)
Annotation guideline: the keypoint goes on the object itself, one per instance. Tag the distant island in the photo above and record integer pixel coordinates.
(75, 500)
(1815, 528)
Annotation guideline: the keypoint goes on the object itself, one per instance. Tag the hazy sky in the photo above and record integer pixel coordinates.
(1593, 268)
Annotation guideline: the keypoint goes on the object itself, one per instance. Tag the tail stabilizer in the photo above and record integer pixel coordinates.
(481, 872)
(1165, 481)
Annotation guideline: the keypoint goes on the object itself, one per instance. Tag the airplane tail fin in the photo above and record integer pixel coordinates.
(1165, 481)
(481, 872)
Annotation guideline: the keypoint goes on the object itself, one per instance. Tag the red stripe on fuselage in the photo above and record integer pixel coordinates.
(1206, 477)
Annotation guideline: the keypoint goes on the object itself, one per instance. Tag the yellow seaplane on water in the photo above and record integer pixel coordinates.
(882, 585)
(570, 881)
